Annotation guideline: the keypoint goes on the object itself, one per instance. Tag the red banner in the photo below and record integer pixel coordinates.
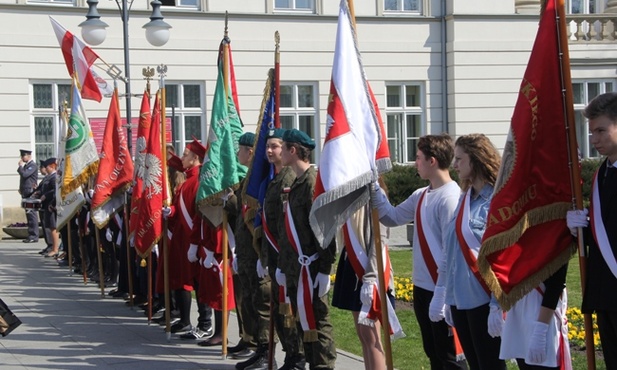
(98, 128)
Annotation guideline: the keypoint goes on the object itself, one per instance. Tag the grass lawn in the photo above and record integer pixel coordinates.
(407, 353)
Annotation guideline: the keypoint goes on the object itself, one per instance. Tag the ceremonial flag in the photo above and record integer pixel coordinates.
(143, 133)
(347, 162)
(149, 226)
(115, 168)
(81, 159)
(221, 169)
(230, 79)
(526, 238)
(261, 171)
(79, 58)
(66, 207)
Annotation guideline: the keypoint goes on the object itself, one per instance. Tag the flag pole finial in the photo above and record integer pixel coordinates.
(148, 73)
(226, 23)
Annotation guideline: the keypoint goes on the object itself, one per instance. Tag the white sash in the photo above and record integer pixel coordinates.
(597, 227)
(185, 212)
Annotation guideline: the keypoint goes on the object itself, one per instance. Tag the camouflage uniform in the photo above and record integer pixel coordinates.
(320, 352)
(273, 208)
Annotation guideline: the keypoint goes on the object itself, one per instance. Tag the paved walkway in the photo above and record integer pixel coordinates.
(66, 324)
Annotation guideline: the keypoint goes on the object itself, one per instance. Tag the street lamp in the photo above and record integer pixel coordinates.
(157, 33)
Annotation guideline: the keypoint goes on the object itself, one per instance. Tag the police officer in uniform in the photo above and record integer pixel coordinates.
(28, 174)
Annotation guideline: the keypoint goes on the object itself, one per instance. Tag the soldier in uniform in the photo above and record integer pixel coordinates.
(28, 173)
(304, 266)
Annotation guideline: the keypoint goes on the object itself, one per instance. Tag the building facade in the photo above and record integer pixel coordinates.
(434, 65)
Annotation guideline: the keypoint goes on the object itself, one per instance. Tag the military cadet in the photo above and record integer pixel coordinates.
(37, 195)
(246, 282)
(28, 174)
(303, 265)
(48, 202)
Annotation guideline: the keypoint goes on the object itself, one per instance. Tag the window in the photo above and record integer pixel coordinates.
(194, 4)
(585, 6)
(404, 120)
(188, 117)
(46, 101)
(63, 2)
(299, 110)
(583, 93)
(412, 6)
(300, 5)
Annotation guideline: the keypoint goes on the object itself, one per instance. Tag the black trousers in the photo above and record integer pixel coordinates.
(437, 338)
(481, 350)
(607, 326)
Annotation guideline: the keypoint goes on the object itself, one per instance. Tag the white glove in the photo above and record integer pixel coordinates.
(322, 281)
(438, 304)
(366, 293)
(210, 260)
(89, 196)
(495, 321)
(191, 254)
(448, 316)
(132, 241)
(280, 277)
(537, 344)
(576, 219)
(108, 235)
(166, 212)
(261, 271)
(234, 264)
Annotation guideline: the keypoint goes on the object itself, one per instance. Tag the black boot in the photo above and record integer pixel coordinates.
(295, 363)
(262, 363)
(261, 350)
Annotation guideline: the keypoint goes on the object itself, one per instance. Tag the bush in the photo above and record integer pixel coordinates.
(404, 180)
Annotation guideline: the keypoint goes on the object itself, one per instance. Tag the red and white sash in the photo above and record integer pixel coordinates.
(429, 244)
(283, 298)
(359, 260)
(470, 245)
(598, 230)
(305, 281)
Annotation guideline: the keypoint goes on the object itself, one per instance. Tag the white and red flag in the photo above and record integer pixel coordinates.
(143, 134)
(79, 58)
(149, 227)
(347, 162)
(115, 168)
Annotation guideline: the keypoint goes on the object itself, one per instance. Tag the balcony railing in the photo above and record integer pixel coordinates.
(592, 28)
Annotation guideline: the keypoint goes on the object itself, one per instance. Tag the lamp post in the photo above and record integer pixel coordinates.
(157, 33)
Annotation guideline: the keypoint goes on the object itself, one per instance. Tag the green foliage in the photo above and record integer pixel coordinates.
(588, 169)
(404, 180)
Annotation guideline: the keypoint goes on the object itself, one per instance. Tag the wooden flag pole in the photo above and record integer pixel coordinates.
(225, 313)
(129, 270)
(100, 258)
(162, 70)
(385, 323)
(149, 287)
(575, 175)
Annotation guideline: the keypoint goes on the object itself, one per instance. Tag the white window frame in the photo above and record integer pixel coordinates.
(181, 112)
(582, 124)
(54, 2)
(403, 152)
(178, 5)
(293, 8)
(586, 6)
(296, 112)
(400, 10)
(52, 112)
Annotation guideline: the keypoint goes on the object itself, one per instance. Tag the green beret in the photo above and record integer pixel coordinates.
(247, 139)
(276, 133)
(300, 137)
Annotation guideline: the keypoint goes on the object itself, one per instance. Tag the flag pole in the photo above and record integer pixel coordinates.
(149, 287)
(162, 70)
(129, 270)
(63, 114)
(385, 322)
(83, 254)
(575, 175)
(224, 241)
(99, 256)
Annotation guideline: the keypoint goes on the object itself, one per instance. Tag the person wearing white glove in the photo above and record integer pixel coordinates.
(108, 235)
(536, 331)
(210, 260)
(167, 211)
(191, 254)
(322, 284)
(436, 309)
(474, 310)
(495, 320)
(366, 293)
(576, 219)
(261, 271)
(281, 280)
